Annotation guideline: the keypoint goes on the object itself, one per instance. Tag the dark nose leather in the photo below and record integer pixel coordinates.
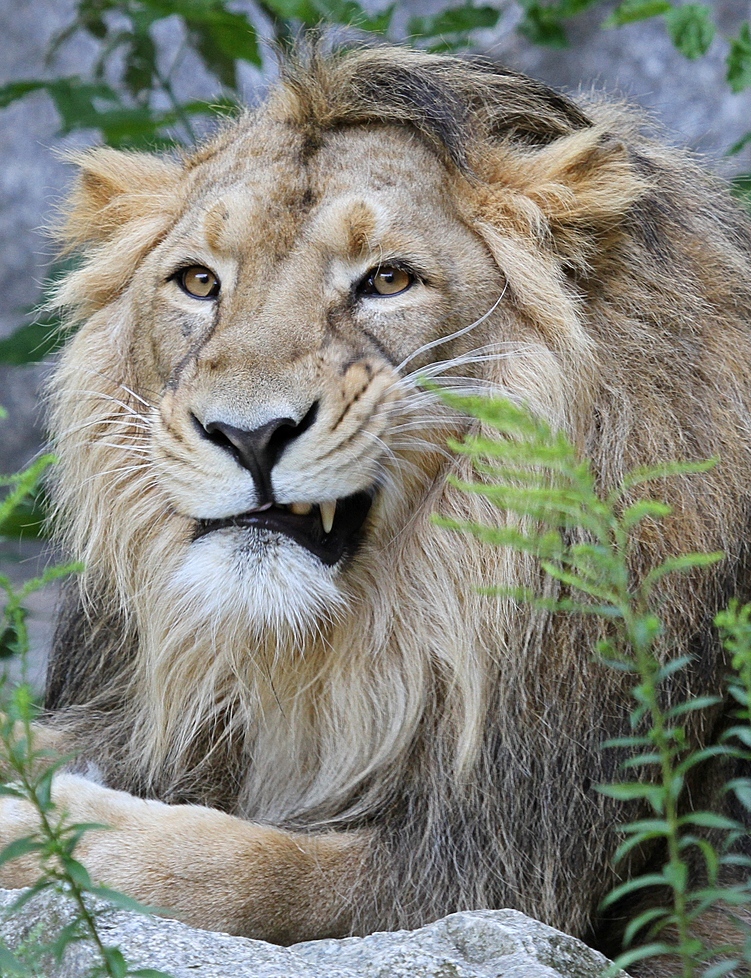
(259, 449)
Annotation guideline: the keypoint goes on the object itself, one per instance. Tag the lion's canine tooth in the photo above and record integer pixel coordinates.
(328, 511)
(300, 509)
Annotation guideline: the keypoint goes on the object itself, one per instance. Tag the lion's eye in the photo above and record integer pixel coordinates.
(198, 281)
(386, 280)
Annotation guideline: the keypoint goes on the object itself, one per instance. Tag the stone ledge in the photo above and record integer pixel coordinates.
(478, 944)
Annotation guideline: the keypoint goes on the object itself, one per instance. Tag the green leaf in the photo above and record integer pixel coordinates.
(711, 857)
(120, 899)
(739, 68)
(631, 792)
(9, 963)
(217, 61)
(220, 36)
(742, 732)
(674, 665)
(456, 20)
(140, 64)
(8, 648)
(20, 847)
(709, 820)
(681, 565)
(644, 631)
(77, 873)
(660, 831)
(701, 755)
(18, 90)
(647, 826)
(676, 875)
(302, 10)
(641, 761)
(641, 921)
(75, 931)
(31, 343)
(118, 966)
(625, 960)
(721, 968)
(79, 103)
(350, 13)
(691, 29)
(667, 471)
(742, 790)
(86, 105)
(644, 508)
(690, 706)
(633, 10)
(43, 883)
(741, 185)
(542, 25)
(26, 520)
(630, 886)
(626, 741)
(90, 17)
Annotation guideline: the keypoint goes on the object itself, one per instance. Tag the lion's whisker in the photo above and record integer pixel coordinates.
(129, 423)
(124, 470)
(452, 336)
(127, 447)
(118, 383)
(114, 400)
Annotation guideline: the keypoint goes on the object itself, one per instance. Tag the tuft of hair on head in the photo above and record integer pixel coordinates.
(455, 104)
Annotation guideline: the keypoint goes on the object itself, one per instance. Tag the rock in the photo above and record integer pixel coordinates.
(479, 944)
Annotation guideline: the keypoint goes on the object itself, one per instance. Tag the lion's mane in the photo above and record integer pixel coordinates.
(465, 730)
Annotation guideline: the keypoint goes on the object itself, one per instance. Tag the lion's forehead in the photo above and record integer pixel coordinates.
(358, 188)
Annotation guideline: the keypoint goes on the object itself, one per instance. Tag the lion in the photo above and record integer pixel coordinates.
(287, 695)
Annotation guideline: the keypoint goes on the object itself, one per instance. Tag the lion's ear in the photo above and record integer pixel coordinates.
(545, 213)
(114, 189)
(121, 206)
(569, 196)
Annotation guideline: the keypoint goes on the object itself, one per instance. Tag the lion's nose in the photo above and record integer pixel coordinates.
(259, 449)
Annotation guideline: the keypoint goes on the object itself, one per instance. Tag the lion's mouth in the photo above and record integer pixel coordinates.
(328, 530)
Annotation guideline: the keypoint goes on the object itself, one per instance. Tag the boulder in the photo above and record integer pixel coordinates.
(478, 944)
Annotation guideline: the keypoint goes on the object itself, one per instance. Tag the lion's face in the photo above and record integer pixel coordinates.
(240, 417)
(275, 325)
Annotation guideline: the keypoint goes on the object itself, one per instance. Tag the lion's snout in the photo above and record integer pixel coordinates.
(258, 449)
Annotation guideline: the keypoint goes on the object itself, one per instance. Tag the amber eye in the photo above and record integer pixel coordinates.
(387, 280)
(198, 281)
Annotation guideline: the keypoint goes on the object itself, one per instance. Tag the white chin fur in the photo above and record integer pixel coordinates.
(260, 580)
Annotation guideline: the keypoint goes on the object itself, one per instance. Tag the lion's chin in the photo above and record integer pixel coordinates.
(256, 580)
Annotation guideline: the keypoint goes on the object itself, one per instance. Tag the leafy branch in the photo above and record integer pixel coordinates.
(29, 770)
(584, 541)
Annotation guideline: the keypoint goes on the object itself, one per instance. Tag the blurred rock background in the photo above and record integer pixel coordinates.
(691, 98)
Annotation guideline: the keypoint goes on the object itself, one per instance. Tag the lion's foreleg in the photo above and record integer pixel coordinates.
(207, 868)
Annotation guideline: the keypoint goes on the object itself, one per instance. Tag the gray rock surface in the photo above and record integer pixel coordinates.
(481, 944)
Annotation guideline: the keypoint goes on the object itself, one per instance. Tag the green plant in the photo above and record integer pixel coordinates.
(29, 770)
(583, 540)
(131, 92)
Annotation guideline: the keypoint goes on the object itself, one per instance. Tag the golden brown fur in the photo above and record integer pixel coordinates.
(388, 745)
